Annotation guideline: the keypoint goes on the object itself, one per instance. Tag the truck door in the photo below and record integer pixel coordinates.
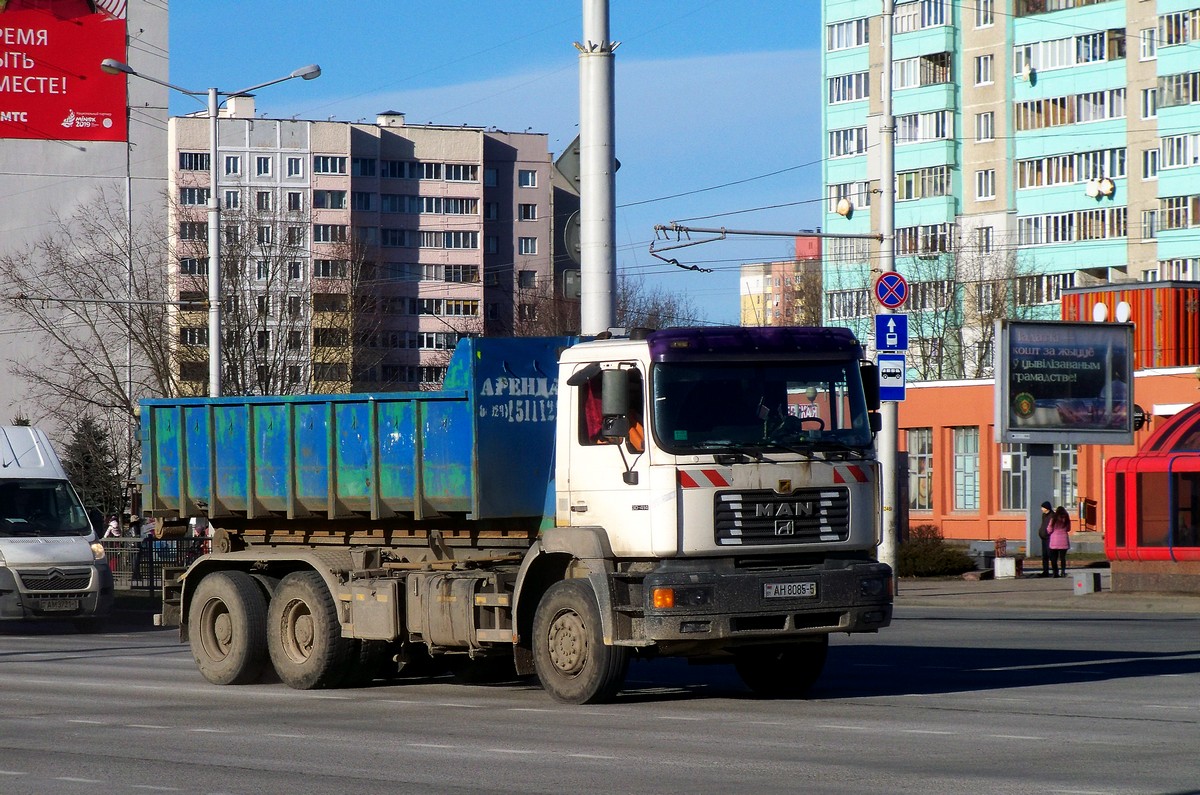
(608, 476)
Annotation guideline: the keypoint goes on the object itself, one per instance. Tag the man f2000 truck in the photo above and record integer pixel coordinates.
(710, 493)
(51, 565)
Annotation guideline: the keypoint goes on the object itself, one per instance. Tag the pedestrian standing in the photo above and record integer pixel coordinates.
(1044, 535)
(1060, 541)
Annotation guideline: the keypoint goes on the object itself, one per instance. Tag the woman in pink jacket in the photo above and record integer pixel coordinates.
(1060, 542)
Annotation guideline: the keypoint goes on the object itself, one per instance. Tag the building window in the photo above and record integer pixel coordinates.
(262, 200)
(849, 88)
(1149, 224)
(1149, 44)
(1065, 469)
(193, 161)
(193, 230)
(329, 199)
(985, 13)
(233, 199)
(966, 469)
(920, 469)
(848, 142)
(193, 336)
(1013, 474)
(1149, 103)
(233, 165)
(193, 196)
(262, 166)
(985, 185)
(295, 202)
(844, 35)
(491, 244)
(527, 212)
(527, 245)
(491, 211)
(362, 201)
(527, 280)
(985, 126)
(1149, 164)
(264, 235)
(362, 167)
(984, 238)
(329, 233)
(294, 305)
(193, 266)
(460, 172)
(329, 164)
(983, 70)
(262, 270)
(295, 167)
(263, 303)
(461, 240)
(330, 268)
(527, 178)
(490, 177)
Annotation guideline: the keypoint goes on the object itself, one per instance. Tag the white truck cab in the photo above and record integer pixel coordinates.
(51, 564)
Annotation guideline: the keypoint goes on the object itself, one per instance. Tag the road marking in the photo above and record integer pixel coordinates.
(153, 788)
(89, 722)
(289, 736)
(209, 731)
(845, 728)
(679, 717)
(147, 726)
(530, 709)
(1016, 737)
(430, 745)
(13, 773)
(592, 756)
(924, 731)
(508, 751)
(79, 780)
(460, 706)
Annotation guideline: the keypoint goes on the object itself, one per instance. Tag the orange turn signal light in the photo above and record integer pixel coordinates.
(663, 597)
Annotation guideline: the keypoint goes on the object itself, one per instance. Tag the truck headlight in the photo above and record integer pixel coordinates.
(97, 551)
(875, 587)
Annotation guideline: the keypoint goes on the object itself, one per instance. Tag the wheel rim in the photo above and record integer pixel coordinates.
(568, 643)
(216, 634)
(299, 631)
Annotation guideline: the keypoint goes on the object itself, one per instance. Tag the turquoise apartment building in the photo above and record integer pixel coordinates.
(1040, 145)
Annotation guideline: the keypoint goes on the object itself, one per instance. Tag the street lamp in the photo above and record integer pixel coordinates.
(112, 66)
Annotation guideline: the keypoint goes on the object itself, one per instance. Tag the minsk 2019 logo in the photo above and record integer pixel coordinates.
(87, 121)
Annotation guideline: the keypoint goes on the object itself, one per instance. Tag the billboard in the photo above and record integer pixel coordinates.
(51, 86)
(1064, 383)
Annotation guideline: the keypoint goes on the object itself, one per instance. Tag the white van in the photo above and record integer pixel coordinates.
(51, 564)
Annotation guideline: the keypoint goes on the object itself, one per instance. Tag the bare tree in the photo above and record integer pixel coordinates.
(639, 305)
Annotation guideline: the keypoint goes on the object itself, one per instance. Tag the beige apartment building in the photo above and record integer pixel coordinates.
(354, 256)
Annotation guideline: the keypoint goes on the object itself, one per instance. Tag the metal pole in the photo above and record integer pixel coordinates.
(214, 253)
(889, 435)
(597, 183)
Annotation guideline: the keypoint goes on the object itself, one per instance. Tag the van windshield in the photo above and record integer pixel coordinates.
(41, 508)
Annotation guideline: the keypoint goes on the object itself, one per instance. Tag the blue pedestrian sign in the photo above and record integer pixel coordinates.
(891, 376)
(891, 290)
(891, 332)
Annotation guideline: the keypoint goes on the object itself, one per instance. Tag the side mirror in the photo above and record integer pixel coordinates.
(876, 422)
(614, 402)
(869, 373)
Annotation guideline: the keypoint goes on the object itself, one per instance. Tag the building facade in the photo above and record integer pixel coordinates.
(354, 256)
(1040, 145)
(66, 143)
(785, 292)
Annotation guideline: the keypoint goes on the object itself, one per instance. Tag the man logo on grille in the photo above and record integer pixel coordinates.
(785, 528)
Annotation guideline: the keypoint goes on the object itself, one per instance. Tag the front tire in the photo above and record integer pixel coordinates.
(572, 661)
(304, 636)
(786, 671)
(227, 628)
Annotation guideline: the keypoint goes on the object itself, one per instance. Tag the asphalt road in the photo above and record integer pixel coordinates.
(980, 700)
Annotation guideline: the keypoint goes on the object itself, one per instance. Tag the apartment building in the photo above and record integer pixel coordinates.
(1040, 145)
(785, 292)
(354, 256)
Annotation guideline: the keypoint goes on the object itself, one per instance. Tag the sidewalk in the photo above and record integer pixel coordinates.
(1035, 593)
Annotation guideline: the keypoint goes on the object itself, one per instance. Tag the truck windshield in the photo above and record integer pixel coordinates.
(759, 405)
(40, 508)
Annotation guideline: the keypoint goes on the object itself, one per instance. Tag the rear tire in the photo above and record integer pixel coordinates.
(572, 661)
(227, 628)
(786, 671)
(304, 636)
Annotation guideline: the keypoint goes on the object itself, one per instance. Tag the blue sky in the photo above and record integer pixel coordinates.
(712, 97)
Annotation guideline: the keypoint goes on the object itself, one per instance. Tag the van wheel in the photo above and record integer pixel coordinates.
(572, 662)
(785, 671)
(304, 636)
(227, 628)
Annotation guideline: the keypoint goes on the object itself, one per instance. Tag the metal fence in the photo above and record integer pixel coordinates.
(139, 563)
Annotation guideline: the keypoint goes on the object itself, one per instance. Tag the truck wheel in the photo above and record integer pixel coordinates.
(227, 628)
(782, 671)
(572, 662)
(304, 636)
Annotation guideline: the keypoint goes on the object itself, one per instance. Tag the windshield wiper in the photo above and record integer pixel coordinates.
(726, 451)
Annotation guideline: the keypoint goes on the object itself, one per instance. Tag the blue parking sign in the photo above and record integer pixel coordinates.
(891, 376)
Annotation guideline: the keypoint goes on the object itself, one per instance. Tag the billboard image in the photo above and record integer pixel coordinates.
(51, 86)
(1064, 383)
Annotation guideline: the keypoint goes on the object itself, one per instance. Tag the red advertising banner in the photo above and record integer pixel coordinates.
(51, 86)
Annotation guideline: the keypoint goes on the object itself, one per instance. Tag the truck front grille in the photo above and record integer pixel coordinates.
(807, 516)
(55, 579)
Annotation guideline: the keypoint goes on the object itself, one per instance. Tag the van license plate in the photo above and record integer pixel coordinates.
(59, 605)
(789, 590)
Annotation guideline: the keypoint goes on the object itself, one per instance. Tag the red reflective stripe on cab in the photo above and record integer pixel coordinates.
(685, 480)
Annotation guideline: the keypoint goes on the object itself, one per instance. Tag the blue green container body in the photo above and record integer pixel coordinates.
(482, 447)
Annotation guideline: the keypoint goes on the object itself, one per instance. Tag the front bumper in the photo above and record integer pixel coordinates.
(17, 601)
(717, 601)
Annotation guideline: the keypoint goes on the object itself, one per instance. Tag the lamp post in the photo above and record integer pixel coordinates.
(113, 67)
